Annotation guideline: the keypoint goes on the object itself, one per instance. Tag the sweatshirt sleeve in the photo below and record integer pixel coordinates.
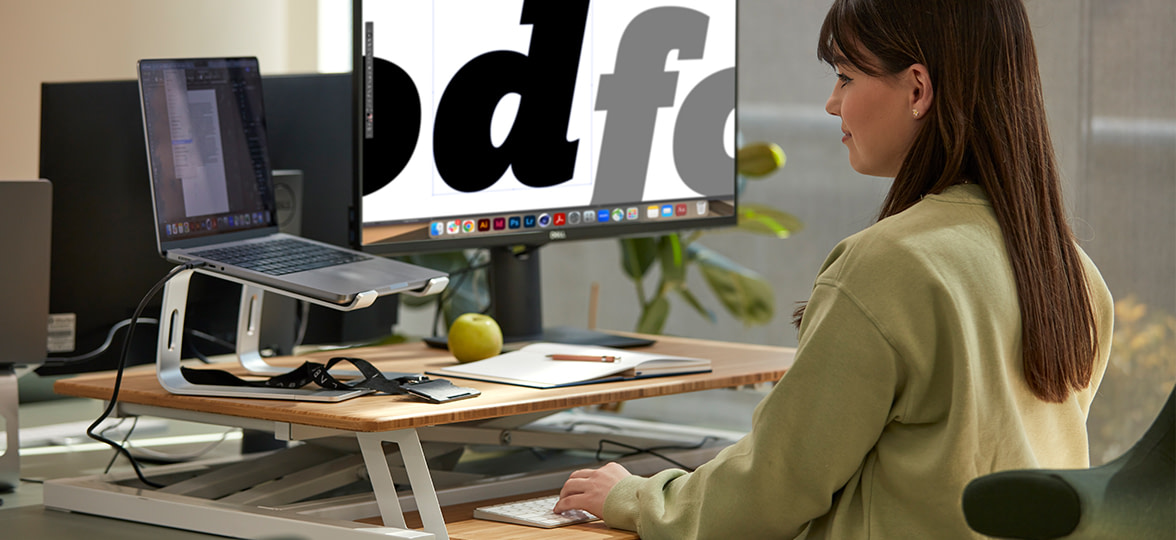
(809, 437)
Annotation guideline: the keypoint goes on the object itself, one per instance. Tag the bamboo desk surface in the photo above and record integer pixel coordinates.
(733, 364)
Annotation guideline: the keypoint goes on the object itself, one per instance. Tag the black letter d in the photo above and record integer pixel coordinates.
(545, 79)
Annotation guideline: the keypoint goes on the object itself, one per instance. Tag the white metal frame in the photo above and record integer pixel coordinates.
(195, 504)
(278, 481)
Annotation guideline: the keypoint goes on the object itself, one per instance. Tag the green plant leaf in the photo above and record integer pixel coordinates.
(653, 317)
(468, 289)
(689, 297)
(451, 262)
(465, 299)
(765, 220)
(744, 293)
(417, 301)
(673, 260)
(637, 255)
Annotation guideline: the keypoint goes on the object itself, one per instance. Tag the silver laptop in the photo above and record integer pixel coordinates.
(213, 195)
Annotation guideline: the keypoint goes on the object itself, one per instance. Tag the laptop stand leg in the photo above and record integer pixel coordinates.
(171, 331)
(249, 332)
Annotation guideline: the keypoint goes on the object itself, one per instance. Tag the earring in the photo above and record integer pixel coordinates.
(916, 111)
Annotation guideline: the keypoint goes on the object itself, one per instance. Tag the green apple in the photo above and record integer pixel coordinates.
(474, 336)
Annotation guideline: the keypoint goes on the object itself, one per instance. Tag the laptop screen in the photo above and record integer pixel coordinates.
(206, 145)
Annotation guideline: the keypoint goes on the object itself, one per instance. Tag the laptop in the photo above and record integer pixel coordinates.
(213, 194)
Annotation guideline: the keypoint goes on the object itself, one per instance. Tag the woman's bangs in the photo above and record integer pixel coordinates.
(839, 44)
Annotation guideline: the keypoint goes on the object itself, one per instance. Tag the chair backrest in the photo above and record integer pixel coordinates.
(1133, 496)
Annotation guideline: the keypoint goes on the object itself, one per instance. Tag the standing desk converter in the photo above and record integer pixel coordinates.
(251, 499)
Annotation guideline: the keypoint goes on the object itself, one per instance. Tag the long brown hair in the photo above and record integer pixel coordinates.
(986, 125)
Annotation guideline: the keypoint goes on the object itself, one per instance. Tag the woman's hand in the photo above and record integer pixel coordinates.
(586, 489)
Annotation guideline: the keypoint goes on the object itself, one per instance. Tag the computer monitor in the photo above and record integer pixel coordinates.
(25, 207)
(498, 123)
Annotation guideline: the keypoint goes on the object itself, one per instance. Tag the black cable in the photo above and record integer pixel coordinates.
(652, 451)
(456, 279)
(122, 361)
(303, 323)
(194, 352)
(636, 451)
(60, 361)
(462, 274)
(211, 339)
(122, 443)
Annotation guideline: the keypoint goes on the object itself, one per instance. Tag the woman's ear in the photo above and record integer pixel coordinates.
(922, 94)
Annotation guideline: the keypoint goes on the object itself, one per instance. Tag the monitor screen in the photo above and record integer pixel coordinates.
(520, 122)
(211, 173)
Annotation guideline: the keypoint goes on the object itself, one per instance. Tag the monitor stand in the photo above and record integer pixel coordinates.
(516, 304)
(9, 418)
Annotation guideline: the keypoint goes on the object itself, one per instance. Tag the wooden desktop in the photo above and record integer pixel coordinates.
(376, 419)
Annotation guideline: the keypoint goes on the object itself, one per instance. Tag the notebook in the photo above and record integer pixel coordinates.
(536, 366)
(213, 195)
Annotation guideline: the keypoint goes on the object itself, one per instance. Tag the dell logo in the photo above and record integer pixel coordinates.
(557, 235)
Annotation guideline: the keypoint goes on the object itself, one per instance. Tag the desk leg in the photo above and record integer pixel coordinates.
(371, 444)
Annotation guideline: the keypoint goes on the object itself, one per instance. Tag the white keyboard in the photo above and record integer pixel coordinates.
(534, 512)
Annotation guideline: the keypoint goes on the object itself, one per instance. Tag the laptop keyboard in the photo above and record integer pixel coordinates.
(280, 256)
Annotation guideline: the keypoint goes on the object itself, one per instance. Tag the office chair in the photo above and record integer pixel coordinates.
(1131, 497)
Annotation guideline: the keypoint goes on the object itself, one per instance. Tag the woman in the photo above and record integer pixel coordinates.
(963, 333)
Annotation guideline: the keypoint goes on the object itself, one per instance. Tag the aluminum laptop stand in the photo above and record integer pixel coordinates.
(171, 335)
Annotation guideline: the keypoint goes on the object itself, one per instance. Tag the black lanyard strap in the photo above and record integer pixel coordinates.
(433, 390)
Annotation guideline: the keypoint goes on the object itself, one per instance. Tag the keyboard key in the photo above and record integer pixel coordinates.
(280, 256)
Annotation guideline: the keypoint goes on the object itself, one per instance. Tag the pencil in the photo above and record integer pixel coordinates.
(584, 358)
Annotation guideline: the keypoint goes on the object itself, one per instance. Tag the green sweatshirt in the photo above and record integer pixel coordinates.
(907, 384)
